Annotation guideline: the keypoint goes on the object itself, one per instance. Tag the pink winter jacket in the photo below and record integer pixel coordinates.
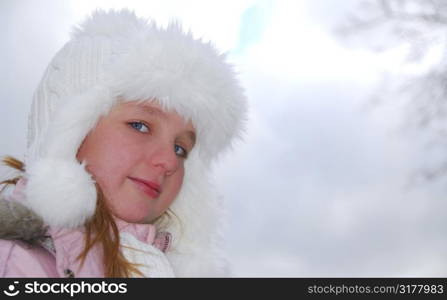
(59, 258)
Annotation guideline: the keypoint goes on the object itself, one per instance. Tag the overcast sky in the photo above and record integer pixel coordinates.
(318, 188)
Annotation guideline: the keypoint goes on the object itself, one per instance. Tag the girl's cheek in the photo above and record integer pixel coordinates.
(118, 161)
(111, 152)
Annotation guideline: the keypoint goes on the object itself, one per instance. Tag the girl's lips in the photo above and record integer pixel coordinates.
(150, 188)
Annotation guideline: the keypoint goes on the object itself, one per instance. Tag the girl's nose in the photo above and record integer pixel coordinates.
(165, 159)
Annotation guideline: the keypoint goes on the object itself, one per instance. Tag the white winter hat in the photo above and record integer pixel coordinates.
(115, 55)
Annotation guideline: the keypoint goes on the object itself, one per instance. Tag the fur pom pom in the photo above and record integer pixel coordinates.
(71, 198)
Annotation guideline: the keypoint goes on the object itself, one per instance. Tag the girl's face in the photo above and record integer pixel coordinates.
(136, 154)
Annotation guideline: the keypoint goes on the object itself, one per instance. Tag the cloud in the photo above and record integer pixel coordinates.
(318, 188)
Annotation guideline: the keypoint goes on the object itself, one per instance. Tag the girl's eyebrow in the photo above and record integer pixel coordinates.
(153, 111)
(192, 136)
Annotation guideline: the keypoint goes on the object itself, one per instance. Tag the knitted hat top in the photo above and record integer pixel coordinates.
(117, 56)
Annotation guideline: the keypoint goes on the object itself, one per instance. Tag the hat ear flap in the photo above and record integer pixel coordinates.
(71, 198)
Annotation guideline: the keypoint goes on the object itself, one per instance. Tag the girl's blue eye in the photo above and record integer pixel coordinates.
(180, 151)
(139, 126)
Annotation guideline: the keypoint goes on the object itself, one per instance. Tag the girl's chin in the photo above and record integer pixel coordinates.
(132, 219)
(135, 214)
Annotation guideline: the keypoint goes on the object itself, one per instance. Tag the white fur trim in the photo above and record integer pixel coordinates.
(60, 192)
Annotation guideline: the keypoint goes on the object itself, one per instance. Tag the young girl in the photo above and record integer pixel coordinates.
(123, 130)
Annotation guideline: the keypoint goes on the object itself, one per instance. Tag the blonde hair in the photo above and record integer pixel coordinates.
(15, 164)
